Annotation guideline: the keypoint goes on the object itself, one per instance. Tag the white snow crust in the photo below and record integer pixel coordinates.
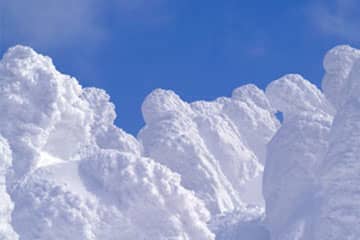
(225, 169)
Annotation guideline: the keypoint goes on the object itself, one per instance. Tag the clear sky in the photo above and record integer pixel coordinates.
(200, 49)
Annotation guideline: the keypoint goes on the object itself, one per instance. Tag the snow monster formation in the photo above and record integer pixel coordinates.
(74, 174)
(225, 169)
(311, 173)
(339, 214)
(217, 147)
(294, 157)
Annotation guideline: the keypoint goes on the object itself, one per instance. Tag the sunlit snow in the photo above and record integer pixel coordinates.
(225, 169)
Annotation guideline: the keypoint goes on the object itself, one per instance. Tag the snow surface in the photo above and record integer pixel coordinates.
(6, 205)
(217, 147)
(294, 157)
(76, 175)
(224, 169)
(339, 175)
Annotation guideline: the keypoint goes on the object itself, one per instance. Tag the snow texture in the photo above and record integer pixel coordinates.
(246, 223)
(311, 173)
(6, 205)
(338, 64)
(224, 169)
(76, 175)
(339, 175)
(217, 147)
(294, 157)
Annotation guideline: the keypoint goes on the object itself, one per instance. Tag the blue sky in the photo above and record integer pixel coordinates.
(199, 49)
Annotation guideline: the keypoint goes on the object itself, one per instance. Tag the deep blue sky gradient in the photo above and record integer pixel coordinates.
(199, 49)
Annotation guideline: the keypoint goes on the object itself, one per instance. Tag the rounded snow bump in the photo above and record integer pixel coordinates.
(293, 94)
(338, 64)
(161, 104)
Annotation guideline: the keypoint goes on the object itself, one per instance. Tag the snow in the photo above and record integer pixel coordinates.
(209, 143)
(294, 156)
(339, 189)
(246, 223)
(43, 109)
(224, 169)
(46, 159)
(338, 64)
(149, 195)
(76, 175)
(6, 206)
(311, 171)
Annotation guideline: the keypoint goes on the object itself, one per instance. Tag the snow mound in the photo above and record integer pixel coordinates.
(199, 170)
(217, 147)
(338, 64)
(46, 202)
(76, 175)
(43, 109)
(311, 174)
(294, 155)
(292, 95)
(147, 191)
(339, 189)
(253, 114)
